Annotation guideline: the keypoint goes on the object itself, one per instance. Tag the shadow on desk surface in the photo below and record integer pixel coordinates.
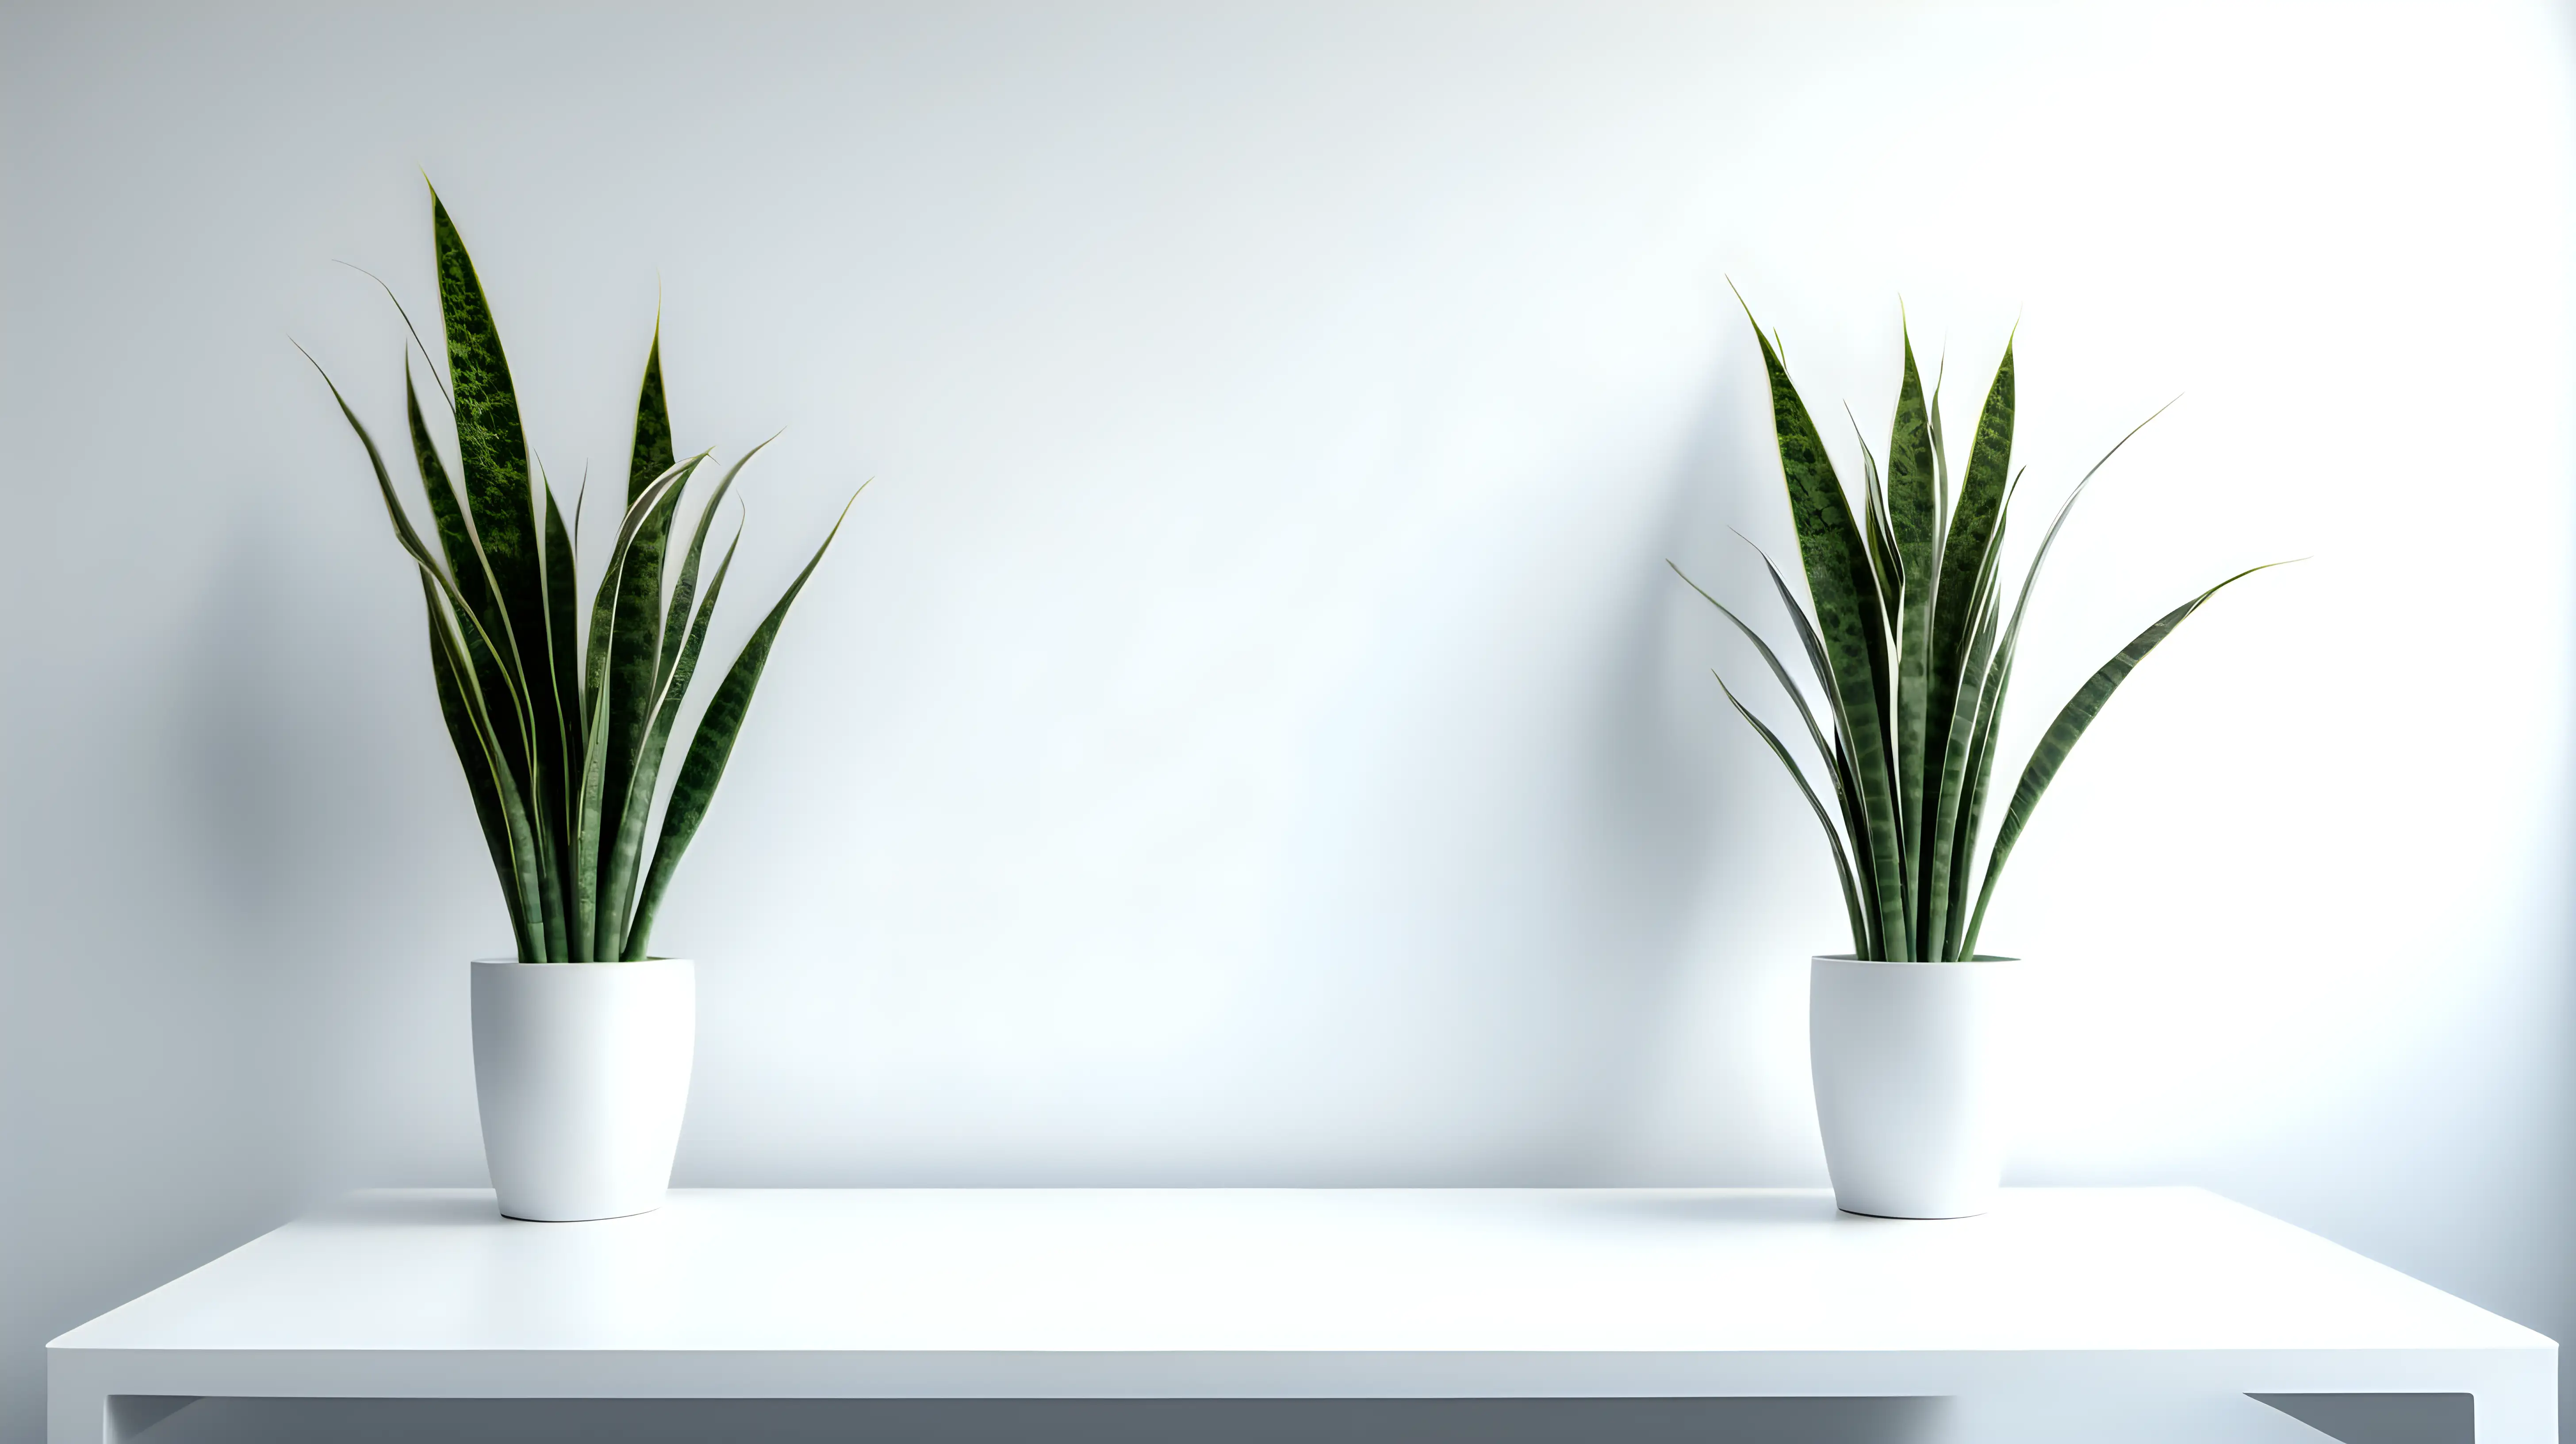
(2358, 1419)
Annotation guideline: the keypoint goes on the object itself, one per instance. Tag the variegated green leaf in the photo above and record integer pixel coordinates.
(478, 764)
(624, 870)
(1849, 618)
(1914, 513)
(2061, 736)
(636, 643)
(590, 816)
(710, 750)
(1965, 548)
(1833, 836)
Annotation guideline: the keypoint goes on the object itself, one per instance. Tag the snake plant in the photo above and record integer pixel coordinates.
(562, 729)
(1913, 653)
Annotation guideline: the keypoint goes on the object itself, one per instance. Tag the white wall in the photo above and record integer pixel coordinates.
(1248, 733)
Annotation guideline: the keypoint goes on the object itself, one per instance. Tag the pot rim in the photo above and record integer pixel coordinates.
(1981, 958)
(512, 962)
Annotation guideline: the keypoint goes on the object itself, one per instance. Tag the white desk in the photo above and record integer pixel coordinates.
(1285, 1294)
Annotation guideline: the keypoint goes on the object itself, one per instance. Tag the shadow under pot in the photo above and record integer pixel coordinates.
(581, 1071)
(1911, 1086)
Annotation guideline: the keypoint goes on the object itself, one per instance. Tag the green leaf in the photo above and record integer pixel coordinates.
(685, 588)
(2062, 734)
(494, 467)
(1846, 781)
(709, 751)
(1956, 788)
(478, 767)
(624, 856)
(525, 874)
(1964, 552)
(1993, 681)
(563, 676)
(1963, 809)
(591, 819)
(635, 643)
(1887, 569)
(651, 454)
(472, 578)
(491, 451)
(1770, 659)
(405, 534)
(447, 513)
(1849, 617)
(1842, 861)
(1914, 521)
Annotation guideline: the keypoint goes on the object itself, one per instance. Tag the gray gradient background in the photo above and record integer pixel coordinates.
(1248, 733)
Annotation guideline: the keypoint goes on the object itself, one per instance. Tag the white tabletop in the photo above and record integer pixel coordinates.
(1295, 1270)
(1285, 1293)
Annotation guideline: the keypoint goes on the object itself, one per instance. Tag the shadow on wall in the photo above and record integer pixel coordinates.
(1646, 854)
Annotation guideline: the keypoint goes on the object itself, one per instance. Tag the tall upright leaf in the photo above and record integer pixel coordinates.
(492, 459)
(617, 888)
(1914, 516)
(708, 753)
(1973, 518)
(478, 766)
(447, 514)
(491, 443)
(1847, 789)
(591, 812)
(635, 644)
(1993, 669)
(563, 678)
(1914, 650)
(560, 736)
(472, 578)
(1954, 778)
(1848, 617)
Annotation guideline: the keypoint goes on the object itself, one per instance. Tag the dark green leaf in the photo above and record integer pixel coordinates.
(478, 766)
(685, 588)
(1970, 541)
(1849, 618)
(637, 642)
(1991, 681)
(2060, 739)
(618, 889)
(1846, 781)
(1769, 659)
(492, 454)
(1842, 861)
(1914, 507)
(1955, 785)
(709, 751)
(590, 819)
(562, 793)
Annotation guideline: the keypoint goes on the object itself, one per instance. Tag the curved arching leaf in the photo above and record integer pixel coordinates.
(2062, 734)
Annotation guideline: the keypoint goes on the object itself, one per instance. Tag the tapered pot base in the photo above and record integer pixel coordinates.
(1909, 1077)
(581, 1074)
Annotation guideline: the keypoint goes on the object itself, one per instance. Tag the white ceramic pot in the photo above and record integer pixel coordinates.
(1909, 1062)
(582, 1071)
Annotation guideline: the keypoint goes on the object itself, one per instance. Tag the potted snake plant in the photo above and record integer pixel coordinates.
(583, 1041)
(1912, 651)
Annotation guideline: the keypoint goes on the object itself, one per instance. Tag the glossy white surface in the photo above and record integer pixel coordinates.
(1912, 1098)
(1296, 1293)
(581, 1078)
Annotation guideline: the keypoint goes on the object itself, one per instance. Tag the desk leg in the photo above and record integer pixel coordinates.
(2524, 1413)
(87, 1418)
